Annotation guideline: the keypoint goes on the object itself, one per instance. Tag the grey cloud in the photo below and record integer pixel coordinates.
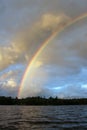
(74, 91)
(25, 25)
(29, 40)
(63, 58)
(69, 49)
(68, 91)
(16, 18)
(16, 14)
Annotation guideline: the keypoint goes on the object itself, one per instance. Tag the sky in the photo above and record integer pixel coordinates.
(61, 67)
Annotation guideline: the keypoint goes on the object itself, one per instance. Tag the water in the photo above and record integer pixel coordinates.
(43, 117)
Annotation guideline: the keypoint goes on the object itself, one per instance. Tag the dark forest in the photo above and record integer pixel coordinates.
(41, 101)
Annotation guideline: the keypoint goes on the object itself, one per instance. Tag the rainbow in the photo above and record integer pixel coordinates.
(42, 47)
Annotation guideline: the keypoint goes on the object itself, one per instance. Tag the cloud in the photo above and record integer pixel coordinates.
(69, 49)
(8, 88)
(24, 26)
(10, 83)
(35, 83)
(72, 91)
(10, 79)
(16, 20)
(63, 64)
(67, 91)
(29, 40)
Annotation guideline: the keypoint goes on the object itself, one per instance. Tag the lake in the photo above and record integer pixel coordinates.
(43, 117)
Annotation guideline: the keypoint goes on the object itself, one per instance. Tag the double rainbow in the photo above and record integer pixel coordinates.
(42, 47)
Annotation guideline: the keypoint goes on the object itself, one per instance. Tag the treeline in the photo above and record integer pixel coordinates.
(41, 101)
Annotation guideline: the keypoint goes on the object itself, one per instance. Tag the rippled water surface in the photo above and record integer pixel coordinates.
(43, 117)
